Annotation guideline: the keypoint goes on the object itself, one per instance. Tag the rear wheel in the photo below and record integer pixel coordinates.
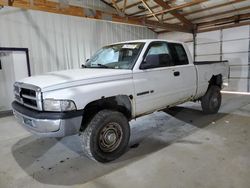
(211, 101)
(106, 137)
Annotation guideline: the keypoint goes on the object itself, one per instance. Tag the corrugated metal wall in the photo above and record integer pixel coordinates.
(236, 48)
(228, 44)
(58, 42)
(208, 46)
(92, 4)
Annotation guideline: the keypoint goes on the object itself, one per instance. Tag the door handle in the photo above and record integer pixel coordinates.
(176, 73)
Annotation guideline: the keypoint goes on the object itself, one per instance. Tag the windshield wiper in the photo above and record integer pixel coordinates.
(104, 66)
(100, 66)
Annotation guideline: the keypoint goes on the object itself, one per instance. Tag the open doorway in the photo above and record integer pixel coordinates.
(14, 65)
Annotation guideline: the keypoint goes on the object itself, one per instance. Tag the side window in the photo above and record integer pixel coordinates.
(157, 56)
(179, 54)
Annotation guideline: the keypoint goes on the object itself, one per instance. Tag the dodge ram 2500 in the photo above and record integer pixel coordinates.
(119, 83)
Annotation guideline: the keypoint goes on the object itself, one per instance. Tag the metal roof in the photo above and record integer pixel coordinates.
(148, 41)
(158, 15)
(204, 15)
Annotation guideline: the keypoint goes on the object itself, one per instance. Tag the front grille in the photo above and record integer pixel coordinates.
(28, 92)
(30, 102)
(28, 95)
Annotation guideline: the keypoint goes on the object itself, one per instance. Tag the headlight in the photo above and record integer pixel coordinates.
(58, 105)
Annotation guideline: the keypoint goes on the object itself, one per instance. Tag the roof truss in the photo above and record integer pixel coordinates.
(165, 6)
(54, 7)
(152, 16)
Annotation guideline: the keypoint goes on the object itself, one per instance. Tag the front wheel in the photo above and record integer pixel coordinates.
(106, 137)
(211, 101)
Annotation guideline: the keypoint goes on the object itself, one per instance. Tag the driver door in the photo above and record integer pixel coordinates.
(155, 83)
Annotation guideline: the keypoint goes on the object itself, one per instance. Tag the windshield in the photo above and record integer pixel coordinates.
(118, 56)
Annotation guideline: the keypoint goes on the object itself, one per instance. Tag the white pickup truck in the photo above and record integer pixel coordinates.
(120, 82)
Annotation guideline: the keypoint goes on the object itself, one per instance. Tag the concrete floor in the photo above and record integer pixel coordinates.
(178, 148)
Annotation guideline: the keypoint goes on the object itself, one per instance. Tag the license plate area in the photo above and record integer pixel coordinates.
(28, 122)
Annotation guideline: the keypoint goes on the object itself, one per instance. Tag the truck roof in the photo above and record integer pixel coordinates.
(148, 40)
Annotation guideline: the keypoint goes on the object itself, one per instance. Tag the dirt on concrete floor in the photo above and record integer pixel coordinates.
(180, 147)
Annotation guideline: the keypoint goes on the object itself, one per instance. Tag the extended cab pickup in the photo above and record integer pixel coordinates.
(120, 82)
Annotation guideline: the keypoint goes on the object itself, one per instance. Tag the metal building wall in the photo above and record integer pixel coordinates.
(91, 4)
(57, 42)
(228, 44)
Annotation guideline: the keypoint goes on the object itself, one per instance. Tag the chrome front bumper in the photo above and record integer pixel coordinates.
(47, 127)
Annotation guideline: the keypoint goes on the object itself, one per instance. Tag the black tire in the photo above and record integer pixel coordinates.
(106, 137)
(211, 101)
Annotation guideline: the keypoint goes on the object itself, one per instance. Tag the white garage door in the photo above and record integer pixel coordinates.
(229, 44)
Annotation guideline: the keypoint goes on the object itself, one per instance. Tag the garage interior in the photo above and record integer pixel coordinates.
(177, 147)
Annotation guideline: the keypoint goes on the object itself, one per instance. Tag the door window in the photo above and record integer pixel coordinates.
(178, 53)
(158, 56)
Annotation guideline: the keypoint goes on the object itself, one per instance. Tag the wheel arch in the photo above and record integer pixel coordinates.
(120, 103)
(216, 80)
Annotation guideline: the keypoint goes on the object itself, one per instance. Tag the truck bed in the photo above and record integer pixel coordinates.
(206, 71)
(208, 62)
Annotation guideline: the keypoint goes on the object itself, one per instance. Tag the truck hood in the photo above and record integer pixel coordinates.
(70, 78)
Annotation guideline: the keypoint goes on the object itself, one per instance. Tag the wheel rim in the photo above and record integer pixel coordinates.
(110, 137)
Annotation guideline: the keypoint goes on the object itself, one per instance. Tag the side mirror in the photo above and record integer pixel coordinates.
(83, 65)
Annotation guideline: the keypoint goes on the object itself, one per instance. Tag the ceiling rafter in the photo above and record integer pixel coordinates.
(189, 22)
(116, 7)
(52, 7)
(141, 11)
(226, 20)
(167, 26)
(221, 21)
(193, 12)
(224, 27)
(165, 5)
(10, 2)
(138, 3)
(168, 10)
(150, 10)
(203, 23)
(153, 7)
(124, 6)
(212, 16)
(221, 13)
(134, 4)
(218, 27)
(208, 8)
(118, 1)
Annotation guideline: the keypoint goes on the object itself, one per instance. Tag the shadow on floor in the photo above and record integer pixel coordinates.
(61, 162)
(6, 113)
(193, 116)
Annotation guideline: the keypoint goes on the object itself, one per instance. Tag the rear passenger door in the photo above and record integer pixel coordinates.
(185, 73)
